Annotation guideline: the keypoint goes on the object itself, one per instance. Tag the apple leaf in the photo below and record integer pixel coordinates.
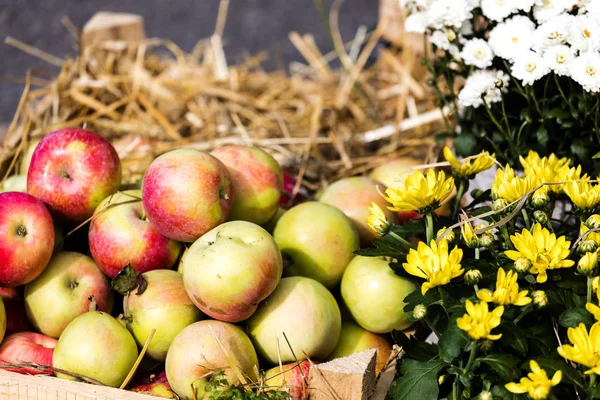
(419, 380)
(127, 280)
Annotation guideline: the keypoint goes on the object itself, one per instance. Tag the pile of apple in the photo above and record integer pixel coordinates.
(201, 258)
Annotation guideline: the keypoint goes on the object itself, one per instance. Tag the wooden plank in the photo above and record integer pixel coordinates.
(24, 387)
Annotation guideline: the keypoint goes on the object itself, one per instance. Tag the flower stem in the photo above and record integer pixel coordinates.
(401, 239)
(460, 191)
(523, 313)
(432, 327)
(526, 218)
(444, 299)
(562, 93)
(477, 253)
(429, 226)
(455, 388)
(471, 358)
(592, 380)
(590, 289)
(500, 128)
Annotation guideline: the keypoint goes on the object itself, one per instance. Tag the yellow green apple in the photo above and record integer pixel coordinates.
(374, 294)
(291, 377)
(24, 166)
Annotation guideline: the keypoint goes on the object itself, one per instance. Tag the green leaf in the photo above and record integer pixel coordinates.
(542, 338)
(385, 248)
(465, 144)
(415, 349)
(551, 365)
(452, 342)
(127, 280)
(415, 297)
(558, 113)
(580, 148)
(597, 155)
(505, 365)
(542, 136)
(513, 336)
(575, 316)
(408, 229)
(419, 380)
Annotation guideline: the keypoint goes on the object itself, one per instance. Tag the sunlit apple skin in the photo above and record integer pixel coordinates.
(164, 306)
(27, 347)
(374, 294)
(72, 170)
(231, 269)
(353, 196)
(14, 305)
(257, 181)
(154, 385)
(26, 238)
(120, 234)
(15, 183)
(294, 378)
(205, 346)
(308, 314)
(186, 193)
(97, 346)
(355, 339)
(62, 292)
(319, 239)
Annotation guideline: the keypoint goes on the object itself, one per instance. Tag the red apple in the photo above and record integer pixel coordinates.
(62, 292)
(120, 234)
(16, 319)
(231, 269)
(205, 347)
(26, 238)
(293, 377)
(353, 196)
(289, 183)
(257, 180)
(186, 193)
(27, 347)
(154, 385)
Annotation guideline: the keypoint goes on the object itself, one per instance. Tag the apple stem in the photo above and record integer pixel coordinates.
(22, 231)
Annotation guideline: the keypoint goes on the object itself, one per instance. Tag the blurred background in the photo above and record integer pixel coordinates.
(252, 26)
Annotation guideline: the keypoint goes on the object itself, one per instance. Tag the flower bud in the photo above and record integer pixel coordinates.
(587, 246)
(587, 264)
(540, 299)
(419, 312)
(451, 35)
(500, 204)
(486, 395)
(468, 234)
(540, 198)
(472, 277)
(593, 222)
(378, 221)
(486, 240)
(476, 193)
(540, 217)
(450, 237)
(522, 264)
(486, 345)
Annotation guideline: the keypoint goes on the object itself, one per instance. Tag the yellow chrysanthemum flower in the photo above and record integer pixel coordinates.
(587, 263)
(467, 169)
(434, 264)
(593, 221)
(584, 348)
(536, 384)
(509, 187)
(419, 192)
(543, 249)
(593, 236)
(468, 234)
(478, 322)
(583, 194)
(377, 221)
(546, 169)
(507, 291)
(594, 310)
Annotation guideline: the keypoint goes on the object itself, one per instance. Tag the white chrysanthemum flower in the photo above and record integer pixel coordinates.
(593, 9)
(529, 67)
(480, 85)
(525, 5)
(559, 58)
(416, 22)
(545, 10)
(473, 4)
(512, 37)
(441, 40)
(585, 70)
(498, 10)
(448, 13)
(553, 32)
(584, 33)
(477, 52)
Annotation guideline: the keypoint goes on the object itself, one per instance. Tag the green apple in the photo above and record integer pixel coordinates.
(270, 226)
(306, 312)
(204, 347)
(165, 306)
(15, 183)
(96, 346)
(355, 339)
(374, 294)
(319, 239)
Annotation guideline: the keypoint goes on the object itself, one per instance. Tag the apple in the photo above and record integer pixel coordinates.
(353, 196)
(231, 269)
(72, 170)
(205, 347)
(27, 347)
(293, 377)
(26, 238)
(120, 234)
(24, 166)
(319, 239)
(181, 259)
(257, 180)
(165, 306)
(15, 183)
(306, 312)
(270, 226)
(289, 183)
(374, 294)
(62, 292)
(355, 339)
(154, 385)
(14, 305)
(96, 346)
(186, 193)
